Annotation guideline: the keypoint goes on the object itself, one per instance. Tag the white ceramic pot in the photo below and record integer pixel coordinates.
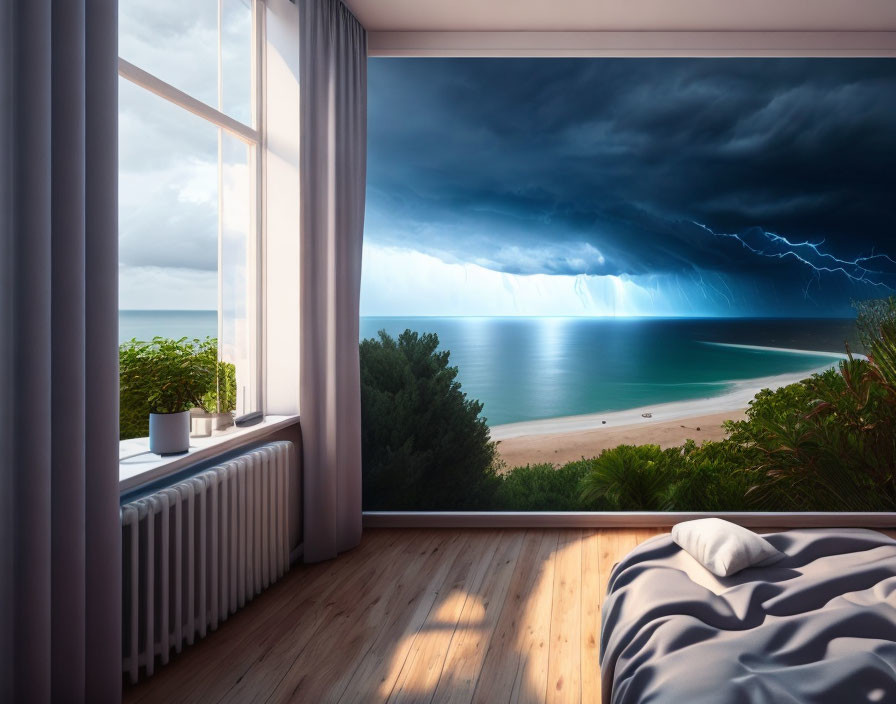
(169, 433)
(200, 423)
(222, 421)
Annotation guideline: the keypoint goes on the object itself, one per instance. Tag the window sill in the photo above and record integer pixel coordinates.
(138, 466)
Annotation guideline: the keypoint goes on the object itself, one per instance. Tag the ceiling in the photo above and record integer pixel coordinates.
(624, 15)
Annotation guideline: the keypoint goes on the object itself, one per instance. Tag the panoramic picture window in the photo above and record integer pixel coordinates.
(630, 284)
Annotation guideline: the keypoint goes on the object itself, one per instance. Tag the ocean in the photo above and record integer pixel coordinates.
(146, 324)
(533, 368)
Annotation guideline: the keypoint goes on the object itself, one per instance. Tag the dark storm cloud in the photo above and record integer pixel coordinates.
(602, 166)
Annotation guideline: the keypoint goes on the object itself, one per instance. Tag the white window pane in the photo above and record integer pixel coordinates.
(237, 271)
(175, 40)
(168, 207)
(236, 59)
(187, 232)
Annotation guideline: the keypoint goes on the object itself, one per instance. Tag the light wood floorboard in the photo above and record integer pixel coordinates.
(473, 615)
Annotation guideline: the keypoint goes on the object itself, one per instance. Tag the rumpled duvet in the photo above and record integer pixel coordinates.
(818, 626)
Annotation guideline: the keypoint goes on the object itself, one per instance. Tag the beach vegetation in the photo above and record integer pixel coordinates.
(826, 443)
(543, 487)
(627, 478)
(424, 445)
(713, 476)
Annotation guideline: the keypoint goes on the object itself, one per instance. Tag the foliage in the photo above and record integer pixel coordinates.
(876, 323)
(628, 478)
(162, 376)
(542, 487)
(423, 444)
(839, 454)
(714, 476)
(221, 396)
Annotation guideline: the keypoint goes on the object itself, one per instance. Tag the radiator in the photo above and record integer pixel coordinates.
(195, 552)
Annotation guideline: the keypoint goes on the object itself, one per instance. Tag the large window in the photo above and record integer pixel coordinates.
(619, 255)
(190, 178)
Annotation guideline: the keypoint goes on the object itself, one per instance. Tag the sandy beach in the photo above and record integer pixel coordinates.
(561, 440)
(560, 448)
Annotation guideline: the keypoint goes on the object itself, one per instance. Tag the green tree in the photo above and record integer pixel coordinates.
(424, 445)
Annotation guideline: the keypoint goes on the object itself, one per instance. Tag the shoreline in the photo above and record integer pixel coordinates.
(560, 448)
(557, 441)
(732, 401)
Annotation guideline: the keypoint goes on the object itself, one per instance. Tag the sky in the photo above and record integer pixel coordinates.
(705, 187)
(168, 157)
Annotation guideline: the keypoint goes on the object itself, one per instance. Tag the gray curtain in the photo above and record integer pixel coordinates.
(60, 578)
(333, 142)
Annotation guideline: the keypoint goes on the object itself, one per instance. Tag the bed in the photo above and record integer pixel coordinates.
(817, 626)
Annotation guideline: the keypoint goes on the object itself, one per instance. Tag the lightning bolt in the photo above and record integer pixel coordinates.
(811, 255)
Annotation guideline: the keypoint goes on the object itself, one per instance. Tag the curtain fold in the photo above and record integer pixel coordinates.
(333, 145)
(60, 536)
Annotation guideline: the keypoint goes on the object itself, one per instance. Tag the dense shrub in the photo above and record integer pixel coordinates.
(714, 476)
(542, 487)
(423, 444)
(628, 478)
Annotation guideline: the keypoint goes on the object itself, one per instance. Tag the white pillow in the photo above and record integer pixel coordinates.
(722, 547)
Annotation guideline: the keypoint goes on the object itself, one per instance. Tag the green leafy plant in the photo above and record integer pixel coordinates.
(828, 443)
(840, 453)
(161, 376)
(628, 478)
(221, 396)
(423, 444)
(714, 476)
(542, 487)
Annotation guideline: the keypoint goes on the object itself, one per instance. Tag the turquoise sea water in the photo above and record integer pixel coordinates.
(531, 368)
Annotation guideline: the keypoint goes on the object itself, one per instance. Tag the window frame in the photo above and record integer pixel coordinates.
(253, 136)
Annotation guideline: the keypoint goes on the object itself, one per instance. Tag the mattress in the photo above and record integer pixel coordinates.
(818, 626)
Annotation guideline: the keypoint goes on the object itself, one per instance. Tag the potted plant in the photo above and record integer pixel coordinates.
(200, 422)
(219, 401)
(201, 415)
(225, 397)
(172, 375)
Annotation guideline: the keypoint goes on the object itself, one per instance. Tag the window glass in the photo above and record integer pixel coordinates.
(178, 42)
(236, 59)
(173, 40)
(626, 284)
(189, 197)
(237, 259)
(168, 216)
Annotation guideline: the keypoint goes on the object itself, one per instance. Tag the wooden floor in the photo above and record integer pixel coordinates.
(416, 616)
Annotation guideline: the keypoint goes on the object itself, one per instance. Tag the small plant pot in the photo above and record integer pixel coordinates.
(222, 422)
(169, 433)
(200, 423)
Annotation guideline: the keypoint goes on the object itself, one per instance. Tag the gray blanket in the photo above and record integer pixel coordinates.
(818, 626)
